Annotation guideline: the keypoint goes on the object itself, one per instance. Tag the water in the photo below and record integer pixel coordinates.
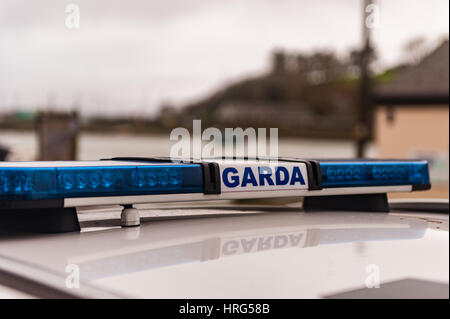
(23, 146)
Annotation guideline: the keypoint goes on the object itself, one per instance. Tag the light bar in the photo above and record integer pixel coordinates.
(374, 173)
(102, 179)
(132, 181)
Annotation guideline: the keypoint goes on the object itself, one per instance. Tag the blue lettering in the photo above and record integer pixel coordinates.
(248, 177)
(297, 176)
(265, 173)
(234, 178)
(278, 179)
(231, 177)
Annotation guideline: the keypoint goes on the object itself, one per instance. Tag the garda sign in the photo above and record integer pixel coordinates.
(244, 176)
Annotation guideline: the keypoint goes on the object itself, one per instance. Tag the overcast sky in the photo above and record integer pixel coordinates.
(128, 57)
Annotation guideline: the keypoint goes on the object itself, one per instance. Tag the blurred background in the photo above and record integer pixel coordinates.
(95, 79)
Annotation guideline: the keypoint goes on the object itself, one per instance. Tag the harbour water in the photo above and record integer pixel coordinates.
(23, 146)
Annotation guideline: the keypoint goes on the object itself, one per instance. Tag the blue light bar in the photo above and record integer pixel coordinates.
(374, 173)
(93, 181)
(114, 178)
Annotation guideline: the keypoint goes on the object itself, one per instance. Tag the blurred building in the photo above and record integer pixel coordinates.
(57, 135)
(412, 116)
(302, 95)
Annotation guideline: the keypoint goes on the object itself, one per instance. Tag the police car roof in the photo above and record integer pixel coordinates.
(239, 251)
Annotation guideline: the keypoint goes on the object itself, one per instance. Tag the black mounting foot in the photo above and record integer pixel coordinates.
(40, 220)
(363, 202)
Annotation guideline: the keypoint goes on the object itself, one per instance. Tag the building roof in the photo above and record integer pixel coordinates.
(428, 80)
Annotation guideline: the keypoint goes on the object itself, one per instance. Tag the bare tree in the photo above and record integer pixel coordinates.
(416, 49)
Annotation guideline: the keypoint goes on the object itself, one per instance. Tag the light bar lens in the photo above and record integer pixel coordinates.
(354, 174)
(62, 182)
(121, 180)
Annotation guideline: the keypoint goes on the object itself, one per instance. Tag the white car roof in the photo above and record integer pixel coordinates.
(235, 251)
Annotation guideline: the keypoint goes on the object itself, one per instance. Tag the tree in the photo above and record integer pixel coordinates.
(415, 50)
